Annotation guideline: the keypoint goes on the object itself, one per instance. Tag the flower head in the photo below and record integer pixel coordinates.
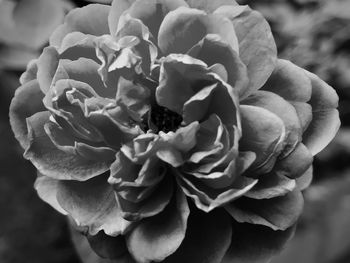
(170, 131)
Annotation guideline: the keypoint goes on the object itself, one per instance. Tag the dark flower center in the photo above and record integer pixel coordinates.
(162, 119)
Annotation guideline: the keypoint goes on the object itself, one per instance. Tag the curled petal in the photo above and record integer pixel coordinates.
(207, 238)
(92, 204)
(209, 6)
(182, 28)
(53, 162)
(278, 213)
(90, 19)
(305, 180)
(324, 102)
(20, 109)
(257, 48)
(263, 132)
(256, 244)
(160, 236)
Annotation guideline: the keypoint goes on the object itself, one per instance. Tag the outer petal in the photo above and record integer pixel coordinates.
(47, 66)
(53, 162)
(324, 102)
(47, 191)
(207, 238)
(278, 213)
(158, 237)
(30, 73)
(152, 12)
(184, 27)
(282, 109)
(255, 244)
(91, 19)
(263, 133)
(257, 47)
(271, 185)
(210, 6)
(92, 204)
(20, 109)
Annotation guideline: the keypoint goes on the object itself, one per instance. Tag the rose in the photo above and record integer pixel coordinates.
(25, 28)
(171, 131)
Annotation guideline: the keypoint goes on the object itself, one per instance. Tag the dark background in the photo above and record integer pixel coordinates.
(314, 34)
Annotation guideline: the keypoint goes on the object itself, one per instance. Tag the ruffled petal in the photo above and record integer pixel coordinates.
(213, 49)
(152, 12)
(207, 238)
(209, 6)
(263, 132)
(305, 180)
(184, 27)
(90, 19)
(92, 204)
(30, 73)
(157, 237)
(278, 213)
(53, 162)
(256, 244)
(20, 109)
(324, 101)
(257, 48)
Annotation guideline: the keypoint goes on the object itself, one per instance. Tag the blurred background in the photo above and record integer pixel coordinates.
(314, 34)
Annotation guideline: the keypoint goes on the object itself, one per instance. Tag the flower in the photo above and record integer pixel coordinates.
(170, 131)
(25, 28)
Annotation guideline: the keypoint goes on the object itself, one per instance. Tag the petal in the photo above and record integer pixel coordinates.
(255, 244)
(305, 180)
(20, 109)
(182, 28)
(53, 162)
(92, 204)
(117, 9)
(209, 6)
(296, 163)
(324, 102)
(30, 73)
(109, 247)
(212, 49)
(22, 22)
(257, 48)
(278, 213)
(271, 185)
(47, 66)
(263, 132)
(152, 12)
(289, 81)
(158, 237)
(47, 190)
(90, 19)
(277, 105)
(207, 238)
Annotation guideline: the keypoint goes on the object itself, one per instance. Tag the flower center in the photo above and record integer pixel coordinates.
(162, 119)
